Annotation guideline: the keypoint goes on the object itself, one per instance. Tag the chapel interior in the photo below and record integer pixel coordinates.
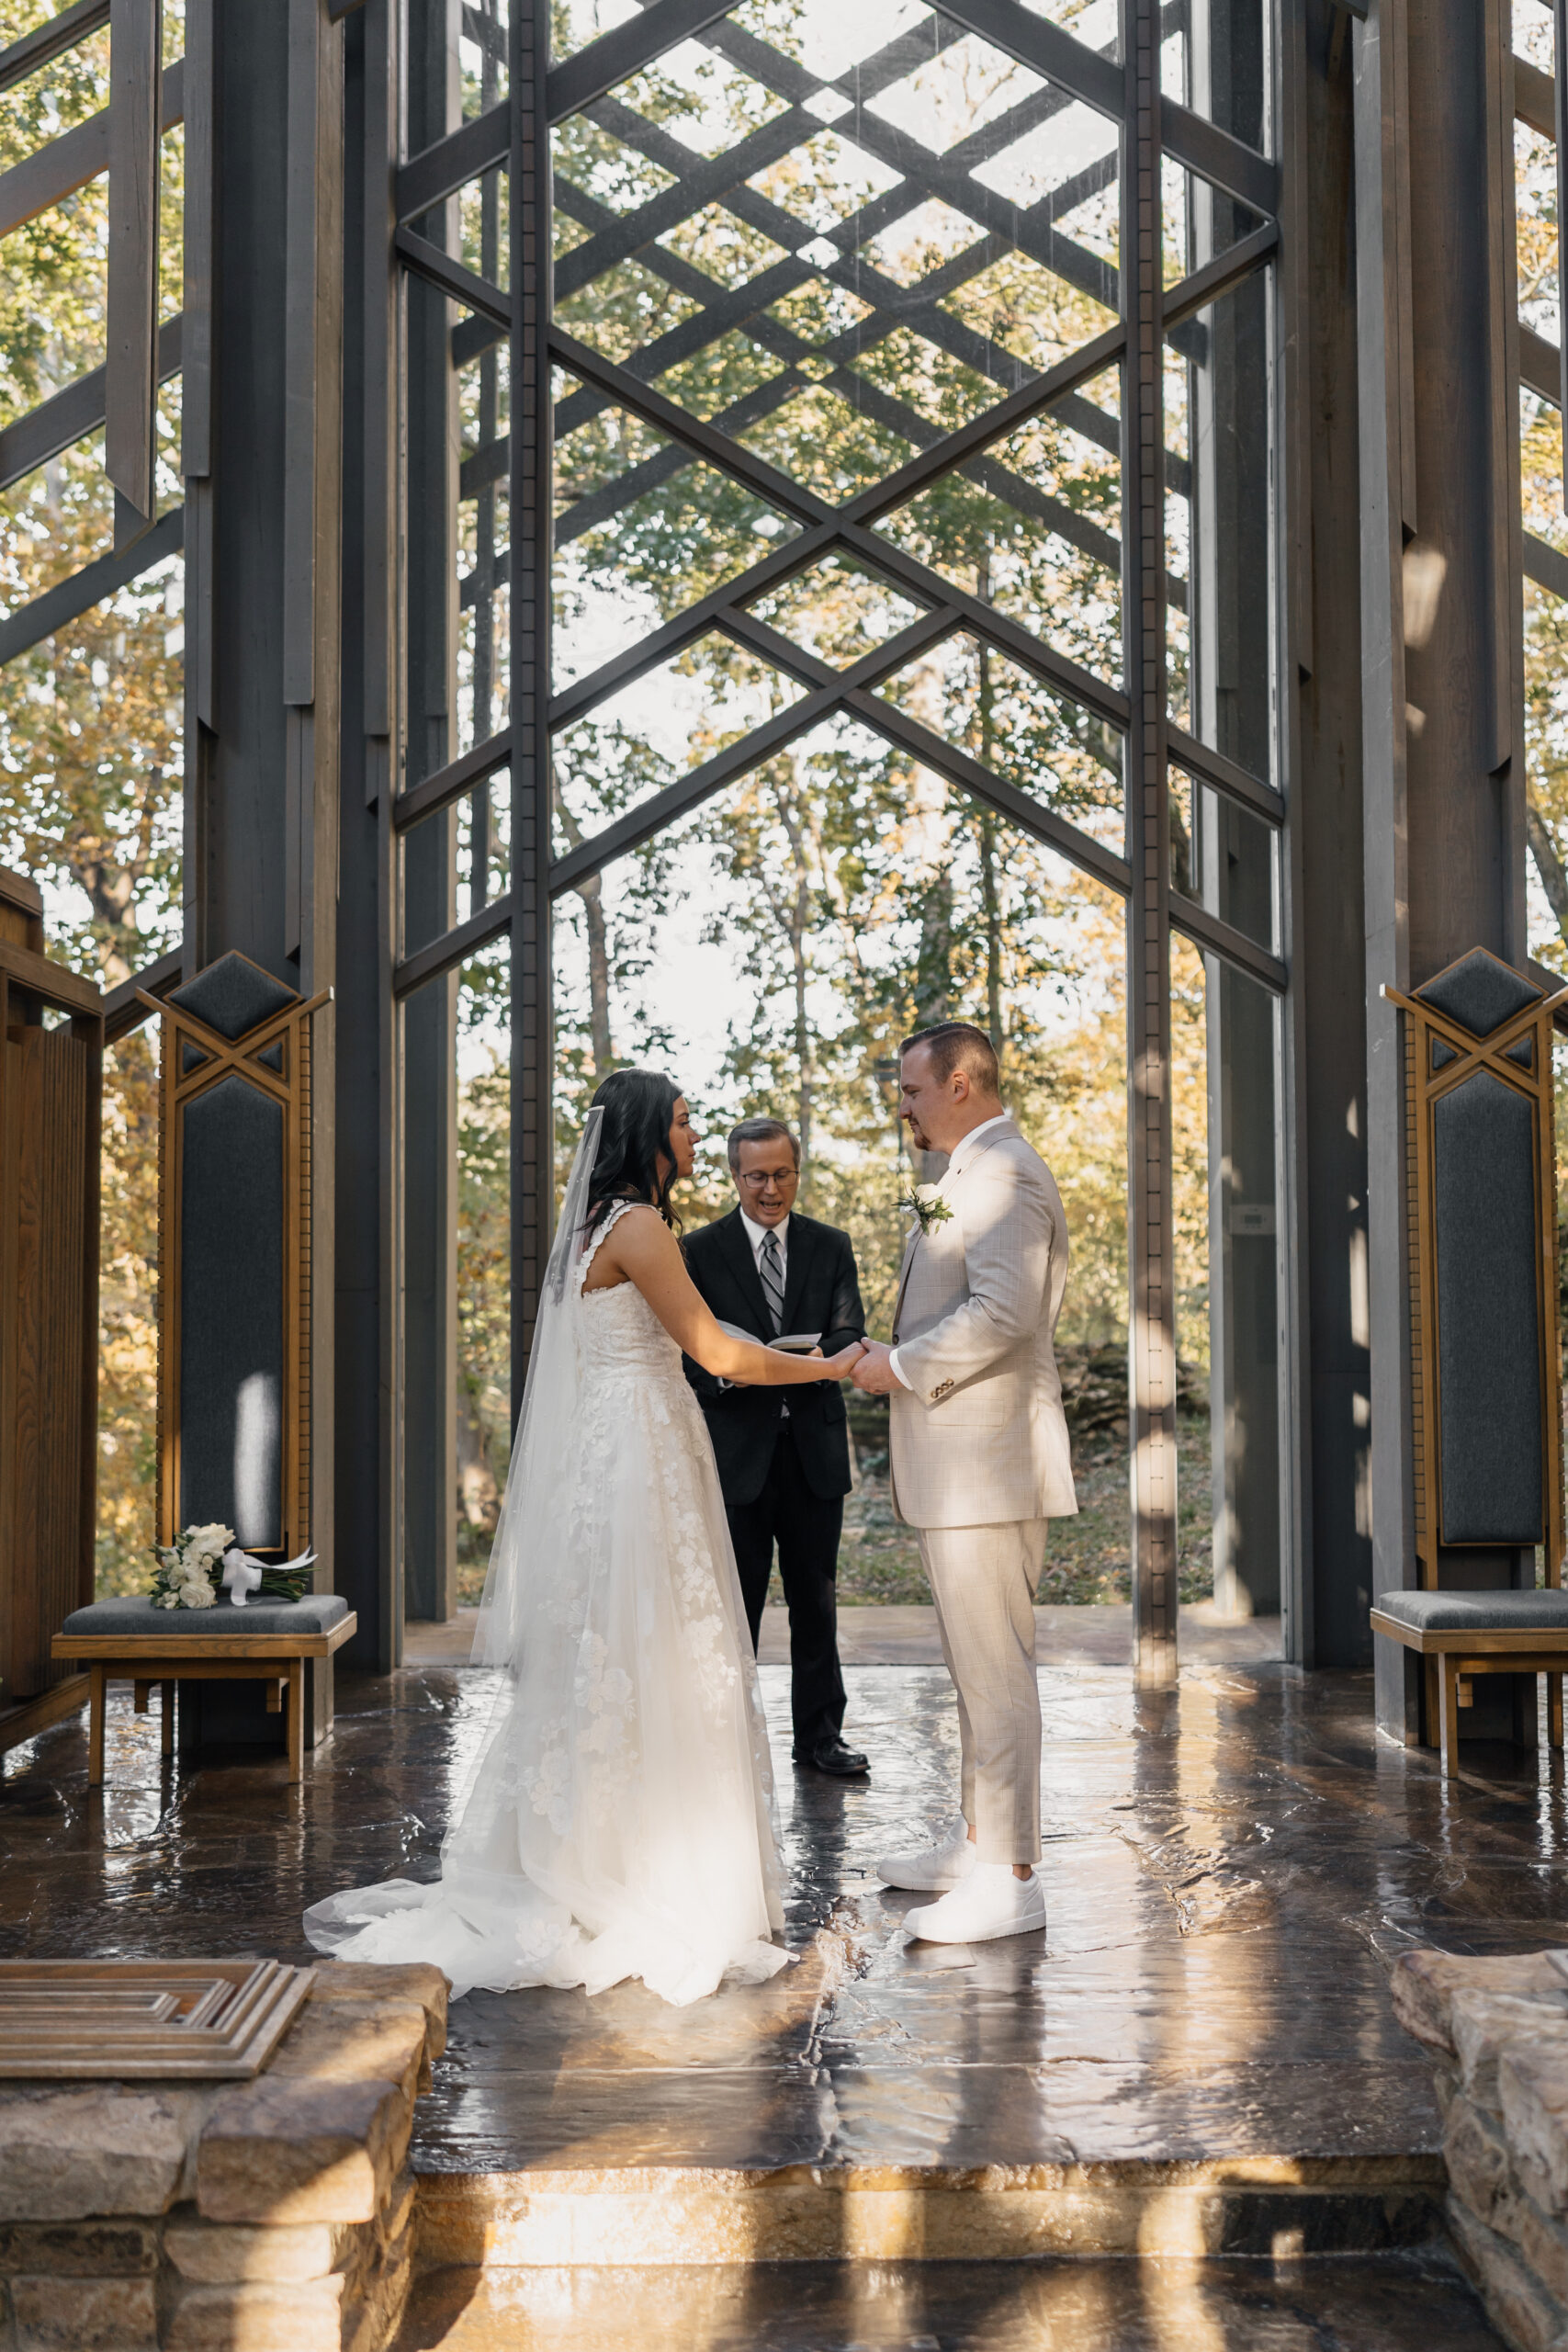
(711, 534)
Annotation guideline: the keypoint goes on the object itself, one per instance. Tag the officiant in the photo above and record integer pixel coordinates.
(783, 1460)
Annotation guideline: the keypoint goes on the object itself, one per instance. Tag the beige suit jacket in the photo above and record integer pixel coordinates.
(980, 1435)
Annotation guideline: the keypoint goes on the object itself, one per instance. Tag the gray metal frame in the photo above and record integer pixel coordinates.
(516, 129)
(413, 313)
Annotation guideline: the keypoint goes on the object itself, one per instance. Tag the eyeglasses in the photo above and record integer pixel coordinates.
(756, 1178)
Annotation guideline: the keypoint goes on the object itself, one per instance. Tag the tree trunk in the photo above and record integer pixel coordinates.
(1548, 865)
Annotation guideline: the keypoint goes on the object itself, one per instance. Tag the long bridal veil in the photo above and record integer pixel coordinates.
(552, 1412)
(619, 1820)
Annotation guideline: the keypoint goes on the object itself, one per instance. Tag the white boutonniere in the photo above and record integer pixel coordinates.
(927, 1204)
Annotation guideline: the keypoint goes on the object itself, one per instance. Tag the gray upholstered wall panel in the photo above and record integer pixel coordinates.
(1488, 1309)
(231, 1276)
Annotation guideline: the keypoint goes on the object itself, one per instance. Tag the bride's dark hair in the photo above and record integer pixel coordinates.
(640, 1111)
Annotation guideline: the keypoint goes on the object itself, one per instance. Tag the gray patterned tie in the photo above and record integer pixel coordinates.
(772, 1271)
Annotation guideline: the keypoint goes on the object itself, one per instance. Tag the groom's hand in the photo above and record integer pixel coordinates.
(874, 1371)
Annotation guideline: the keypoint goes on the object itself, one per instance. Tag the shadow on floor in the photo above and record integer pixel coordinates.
(1414, 2302)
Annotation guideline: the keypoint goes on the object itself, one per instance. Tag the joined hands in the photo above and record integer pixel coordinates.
(874, 1371)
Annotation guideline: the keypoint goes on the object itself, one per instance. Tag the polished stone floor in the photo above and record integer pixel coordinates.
(1398, 2304)
(1228, 1868)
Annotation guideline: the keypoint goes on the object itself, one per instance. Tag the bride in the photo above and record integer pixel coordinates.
(620, 1821)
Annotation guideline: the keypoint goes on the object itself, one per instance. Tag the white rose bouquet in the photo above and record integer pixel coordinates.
(205, 1561)
(186, 1574)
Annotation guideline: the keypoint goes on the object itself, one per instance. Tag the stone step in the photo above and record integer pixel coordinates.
(1275, 2206)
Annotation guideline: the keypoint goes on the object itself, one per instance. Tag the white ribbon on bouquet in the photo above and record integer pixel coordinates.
(242, 1574)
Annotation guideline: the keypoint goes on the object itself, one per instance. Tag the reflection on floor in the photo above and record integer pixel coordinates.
(1398, 2304)
(1200, 2050)
(893, 1633)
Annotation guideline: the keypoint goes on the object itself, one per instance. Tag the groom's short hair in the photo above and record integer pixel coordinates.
(958, 1045)
(759, 1131)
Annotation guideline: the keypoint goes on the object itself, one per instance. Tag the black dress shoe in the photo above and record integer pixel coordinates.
(832, 1756)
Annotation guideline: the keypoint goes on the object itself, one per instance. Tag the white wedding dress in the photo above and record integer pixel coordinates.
(620, 1821)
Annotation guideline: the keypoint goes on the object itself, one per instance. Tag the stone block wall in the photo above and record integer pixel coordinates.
(1498, 2032)
(276, 2214)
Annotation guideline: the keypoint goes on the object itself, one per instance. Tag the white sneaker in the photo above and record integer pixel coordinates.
(934, 1867)
(990, 1902)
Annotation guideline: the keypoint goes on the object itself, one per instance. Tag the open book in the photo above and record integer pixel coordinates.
(791, 1343)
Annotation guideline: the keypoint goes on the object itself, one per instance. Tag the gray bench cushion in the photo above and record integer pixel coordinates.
(1477, 1612)
(134, 1617)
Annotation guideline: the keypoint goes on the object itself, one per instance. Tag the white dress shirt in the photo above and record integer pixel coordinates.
(757, 1234)
(962, 1153)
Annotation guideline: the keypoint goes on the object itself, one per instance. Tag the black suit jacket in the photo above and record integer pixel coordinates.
(821, 1293)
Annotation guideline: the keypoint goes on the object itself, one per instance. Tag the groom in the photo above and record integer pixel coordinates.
(783, 1459)
(981, 1464)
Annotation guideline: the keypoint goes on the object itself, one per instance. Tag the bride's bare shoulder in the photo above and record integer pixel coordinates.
(637, 1239)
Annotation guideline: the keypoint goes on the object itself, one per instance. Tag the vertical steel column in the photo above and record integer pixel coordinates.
(1326, 1241)
(1152, 1323)
(1232, 672)
(131, 389)
(430, 866)
(481, 821)
(532, 1040)
(1442, 658)
(262, 446)
(368, 1417)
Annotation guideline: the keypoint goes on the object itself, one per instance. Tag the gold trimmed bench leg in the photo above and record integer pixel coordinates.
(1554, 1708)
(1447, 1700)
(295, 1719)
(96, 1726)
(167, 1718)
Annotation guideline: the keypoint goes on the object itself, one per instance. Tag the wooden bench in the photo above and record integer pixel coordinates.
(128, 1640)
(1463, 1634)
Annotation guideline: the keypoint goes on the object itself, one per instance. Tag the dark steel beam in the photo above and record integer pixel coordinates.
(123, 1008)
(1222, 939)
(1034, 816)
(1009, 636)
(1204, 148)
(440, 171)
(1204, 286)
(678, 424)
(53, 172)
(47, 42)
(454, 278)
(1045, 49)
(450, 783)
(616, 55)
(1223, 775)
(69, 599)
(67, 416)
(1535, 97)
(131, 302)
(530, 508)
(1540, 365)
(1546, 565)
(1557, 87)
(453, 947)
(1150, 1236)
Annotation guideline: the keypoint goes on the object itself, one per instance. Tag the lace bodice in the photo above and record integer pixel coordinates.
(622, 1337)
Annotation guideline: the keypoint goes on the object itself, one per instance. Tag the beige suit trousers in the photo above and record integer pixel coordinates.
(983, 1580)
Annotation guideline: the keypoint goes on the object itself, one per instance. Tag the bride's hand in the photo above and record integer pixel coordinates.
(840, 1367)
